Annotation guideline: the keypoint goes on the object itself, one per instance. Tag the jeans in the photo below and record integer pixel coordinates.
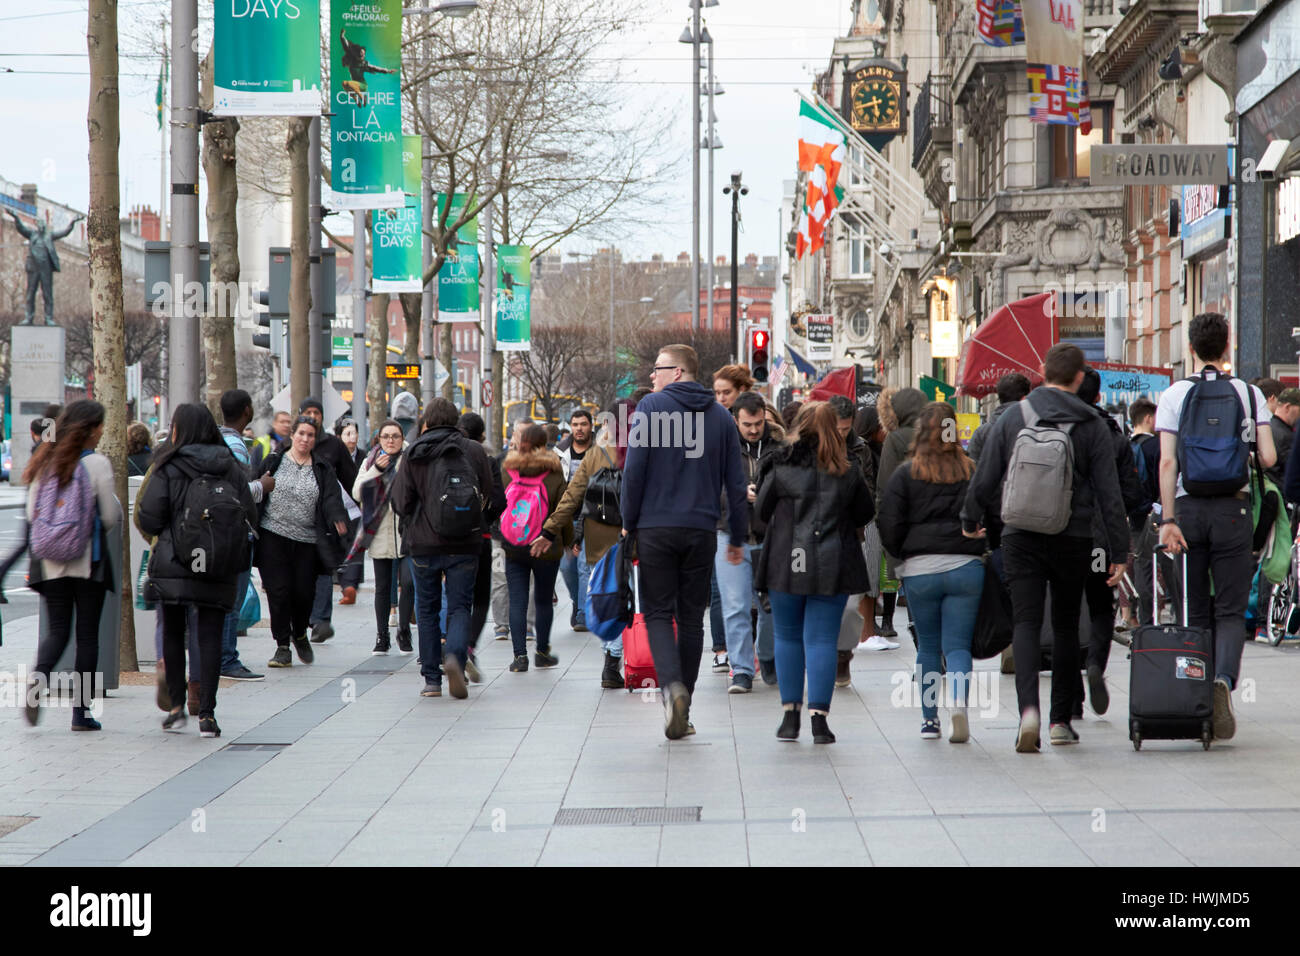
(289, 578)
(384, 581)
(501, 595)
(674, 575)
(230, 629)
(1031, 561)
(542, 573)
(717, 623)
(614, 647)
(1218, 534)
(210, 620)
(736, 587)
(807, 630)
(943, 608)
(482, 592)
(575, 582)
(192, 643)
(427, 570)
(322, 607)
(62, 597)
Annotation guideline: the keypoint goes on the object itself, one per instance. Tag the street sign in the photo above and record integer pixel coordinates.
(1174, 165)
(407, 370)
(487, 393)
(341, 351)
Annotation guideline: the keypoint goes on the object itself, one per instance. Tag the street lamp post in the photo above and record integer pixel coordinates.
(735, 190)
(711, 144)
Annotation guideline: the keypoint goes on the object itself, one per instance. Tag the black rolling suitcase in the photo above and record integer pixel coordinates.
(1171, 680)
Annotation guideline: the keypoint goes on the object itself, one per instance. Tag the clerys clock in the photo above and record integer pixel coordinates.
(875, 100)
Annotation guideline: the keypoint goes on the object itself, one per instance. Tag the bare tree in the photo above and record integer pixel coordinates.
(102, 123)
(713, 346)
(143, 343)
(218, 326)
(547, 367)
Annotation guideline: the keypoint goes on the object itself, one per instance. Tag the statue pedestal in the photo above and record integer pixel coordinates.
(37, 364)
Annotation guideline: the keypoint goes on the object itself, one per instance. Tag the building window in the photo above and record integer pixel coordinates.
(989, 165)
(860, 324)
(859, 253)
(1072, 152)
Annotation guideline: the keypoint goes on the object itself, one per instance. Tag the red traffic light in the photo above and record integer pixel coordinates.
(760, 338)
(157, 400)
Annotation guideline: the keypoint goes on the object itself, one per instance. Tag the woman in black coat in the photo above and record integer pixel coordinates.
(920, 522)
(300, 537)
(814, 505)
(203, 570)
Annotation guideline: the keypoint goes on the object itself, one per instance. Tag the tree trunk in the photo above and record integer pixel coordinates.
(411, 306)
(218, 326)
(377, 335)
(103, 233)
(299, 276)
(498, 398)
(448, 361)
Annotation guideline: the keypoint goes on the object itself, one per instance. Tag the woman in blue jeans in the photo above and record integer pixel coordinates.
(920, 521)
(814, 506)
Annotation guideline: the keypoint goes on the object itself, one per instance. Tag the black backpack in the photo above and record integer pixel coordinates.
(602, 502)
(210, 529)
(455, 503)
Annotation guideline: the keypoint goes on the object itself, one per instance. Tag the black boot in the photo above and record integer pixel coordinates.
(821, 733)
(610, 676)
(789, 729)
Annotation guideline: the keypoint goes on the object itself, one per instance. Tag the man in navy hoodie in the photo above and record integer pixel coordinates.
(683, 451)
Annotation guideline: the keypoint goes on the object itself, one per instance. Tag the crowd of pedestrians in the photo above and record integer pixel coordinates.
(798, 532)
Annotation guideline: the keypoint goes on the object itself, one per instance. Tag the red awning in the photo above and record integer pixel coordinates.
(1015, 338)
(842, 381)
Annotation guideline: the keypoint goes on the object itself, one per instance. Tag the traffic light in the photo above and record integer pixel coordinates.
(262, 340)
(760, 341)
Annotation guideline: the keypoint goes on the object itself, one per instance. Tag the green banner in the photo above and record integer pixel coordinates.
(365, 94)
(398, 258)
(936, 390)
(267, 56)
(458, 279)
(514, 282)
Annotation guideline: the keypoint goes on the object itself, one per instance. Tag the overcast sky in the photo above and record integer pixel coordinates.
(763, 49)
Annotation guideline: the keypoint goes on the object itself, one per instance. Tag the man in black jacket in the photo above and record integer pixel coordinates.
(1097, 589)
(1032, 560)
(330, 449)
(414, 496)
(471, 425)
(1011, 388)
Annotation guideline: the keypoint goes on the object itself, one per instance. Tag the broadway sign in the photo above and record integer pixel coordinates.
(1159, 165)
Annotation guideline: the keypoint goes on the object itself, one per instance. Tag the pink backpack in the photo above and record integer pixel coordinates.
(526, 507)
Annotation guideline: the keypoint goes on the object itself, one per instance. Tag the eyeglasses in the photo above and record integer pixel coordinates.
(390, 437)
(666, 368)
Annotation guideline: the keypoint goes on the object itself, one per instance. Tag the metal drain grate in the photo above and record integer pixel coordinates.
(625, 816)
(242, 747)
(370, 671)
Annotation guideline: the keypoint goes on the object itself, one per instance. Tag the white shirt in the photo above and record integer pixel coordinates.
(1170, 410)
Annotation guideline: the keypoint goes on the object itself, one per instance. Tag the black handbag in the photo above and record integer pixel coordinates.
(604, 494)
(993, 622)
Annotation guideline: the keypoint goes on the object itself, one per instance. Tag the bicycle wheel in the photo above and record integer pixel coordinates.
(1282, 610)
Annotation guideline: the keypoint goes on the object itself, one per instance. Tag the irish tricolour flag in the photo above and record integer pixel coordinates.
(822, 148)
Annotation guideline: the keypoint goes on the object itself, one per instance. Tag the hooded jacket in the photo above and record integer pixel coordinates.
(157, 504)
(924, 517)
(683, 449)
(330, 449)
(540, 461)
(411, 488)
(1096, 485)
(1126, 473)
(981, 434)
(812, 521)
(905, 405)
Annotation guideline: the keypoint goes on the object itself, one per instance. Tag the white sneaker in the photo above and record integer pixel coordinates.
(878, 643)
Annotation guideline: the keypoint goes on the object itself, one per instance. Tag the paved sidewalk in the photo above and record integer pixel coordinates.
(342, 763)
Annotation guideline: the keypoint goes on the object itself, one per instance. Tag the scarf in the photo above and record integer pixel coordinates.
(374, 502)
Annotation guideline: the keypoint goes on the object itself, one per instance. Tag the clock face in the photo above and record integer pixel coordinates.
(875, 103)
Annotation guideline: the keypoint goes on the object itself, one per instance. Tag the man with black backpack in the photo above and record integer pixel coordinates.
(1145, 520)
(1209, 424)
(442, 490)
(1050, 463)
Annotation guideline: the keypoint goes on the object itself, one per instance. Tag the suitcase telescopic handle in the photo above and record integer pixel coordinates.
(1155, 587)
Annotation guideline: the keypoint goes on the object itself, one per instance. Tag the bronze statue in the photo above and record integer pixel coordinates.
(42, 263)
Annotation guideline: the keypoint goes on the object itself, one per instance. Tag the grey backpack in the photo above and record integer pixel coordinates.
(1040, 476)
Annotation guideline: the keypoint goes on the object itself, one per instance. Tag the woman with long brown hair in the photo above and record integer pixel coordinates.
(815, 506)
(920, 522)
(70, 498)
